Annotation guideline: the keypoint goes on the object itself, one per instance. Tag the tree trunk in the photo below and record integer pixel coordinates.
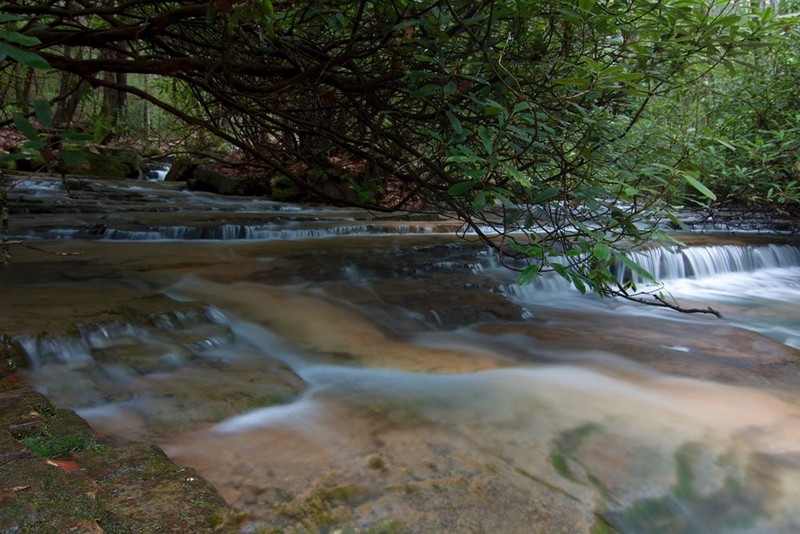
(115, 103)
(5, 252)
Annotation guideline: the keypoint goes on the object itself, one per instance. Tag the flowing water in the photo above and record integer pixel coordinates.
(329, 369)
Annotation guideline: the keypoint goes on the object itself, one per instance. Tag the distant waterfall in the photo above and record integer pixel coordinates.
(234, 231)
(700, 262)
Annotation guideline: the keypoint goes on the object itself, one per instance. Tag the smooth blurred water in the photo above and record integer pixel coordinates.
(404, 371)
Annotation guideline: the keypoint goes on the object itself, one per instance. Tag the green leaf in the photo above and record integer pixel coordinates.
(561, 270)
(601, 251)
(528, 275)
(522, 106)
(76, 137)
(72, 159)
(461, 188)
(34, 144)
(454, 122)
(19, 38)
(25, 126)
(479, 203)
(6, 17)
(578, 283)
(486, 137)
(635, 267)
(29, 59)
(42, 109)
(425, 91)
(694, 182)
(13, 157)
(543, 196)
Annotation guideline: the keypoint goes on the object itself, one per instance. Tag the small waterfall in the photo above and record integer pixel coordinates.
(701, 262)
(156, 174)
(260, 232)
(667, 264)
(41, 351)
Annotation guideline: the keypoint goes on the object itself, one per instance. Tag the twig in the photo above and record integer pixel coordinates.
(661, 302)
(29, 246)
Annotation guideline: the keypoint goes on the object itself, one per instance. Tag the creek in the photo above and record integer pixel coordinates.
(328, 369)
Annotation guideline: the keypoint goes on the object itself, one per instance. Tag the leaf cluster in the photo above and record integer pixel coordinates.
(529, 119)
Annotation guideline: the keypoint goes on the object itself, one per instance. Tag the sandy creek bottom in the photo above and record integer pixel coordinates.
(317, 403)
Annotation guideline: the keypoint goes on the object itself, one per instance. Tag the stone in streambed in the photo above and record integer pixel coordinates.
(106, 162)
(206, 179)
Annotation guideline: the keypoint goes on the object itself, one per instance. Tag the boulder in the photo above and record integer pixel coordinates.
(106, 162)
(204, 178)
(181, 170)
(12, 356)
(284, 189)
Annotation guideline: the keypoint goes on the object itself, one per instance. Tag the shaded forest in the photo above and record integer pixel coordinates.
(564, 133)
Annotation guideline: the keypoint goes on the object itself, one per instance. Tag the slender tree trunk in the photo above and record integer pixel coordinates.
(5, 249)
(115, 103)
(70, 94)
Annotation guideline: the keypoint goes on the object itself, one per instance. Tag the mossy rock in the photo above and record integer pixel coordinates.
(39, 497)
(181, 170)
(284, 189)
(12, 357)
(205, 178)
(107, 162)
(148, 493)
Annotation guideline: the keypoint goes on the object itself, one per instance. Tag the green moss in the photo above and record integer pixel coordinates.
(338, 494)
(684, 457)
(559, 463)
(265, 401)
(570, 441)
(376, 462)
(317, 512)
(386, 526)
(601, 526)
(733, 506)
(50, 447)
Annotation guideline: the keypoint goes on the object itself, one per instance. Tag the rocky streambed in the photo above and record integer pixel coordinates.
(328, 370)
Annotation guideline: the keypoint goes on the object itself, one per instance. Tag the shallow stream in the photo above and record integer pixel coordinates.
(327, 369)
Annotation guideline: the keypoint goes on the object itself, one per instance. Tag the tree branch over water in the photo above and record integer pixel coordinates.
(523, 118)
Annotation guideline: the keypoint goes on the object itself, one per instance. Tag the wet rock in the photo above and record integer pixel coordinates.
(11, 356)
(38, 497)
(181, 170)
(204, 178)
(201, 177)
(145, 492)
(284, 189)
(56, 478)
(107, 162)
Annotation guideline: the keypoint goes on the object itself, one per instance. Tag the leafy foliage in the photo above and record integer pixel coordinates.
(552, 128)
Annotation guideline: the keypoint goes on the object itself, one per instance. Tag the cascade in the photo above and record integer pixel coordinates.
(701, 262)
(412, 370)
(227, 232)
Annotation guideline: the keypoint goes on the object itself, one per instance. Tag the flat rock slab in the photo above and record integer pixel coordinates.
(56, 477)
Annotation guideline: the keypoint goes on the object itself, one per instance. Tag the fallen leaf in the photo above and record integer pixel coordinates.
(12, 378)
(65, 465)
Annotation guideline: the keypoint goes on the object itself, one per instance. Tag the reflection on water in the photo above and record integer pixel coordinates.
(405, 383)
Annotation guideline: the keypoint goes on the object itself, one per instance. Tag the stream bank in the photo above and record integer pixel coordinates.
(59, 476)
